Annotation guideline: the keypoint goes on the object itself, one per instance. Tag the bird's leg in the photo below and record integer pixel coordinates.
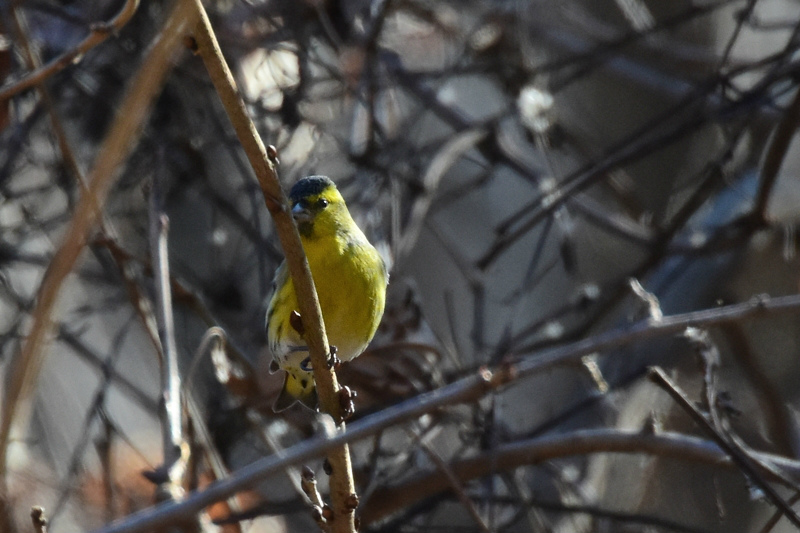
(333, 361)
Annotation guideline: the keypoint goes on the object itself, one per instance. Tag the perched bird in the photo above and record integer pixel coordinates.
(350, 277)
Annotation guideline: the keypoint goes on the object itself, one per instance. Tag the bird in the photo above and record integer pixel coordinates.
(350, 278)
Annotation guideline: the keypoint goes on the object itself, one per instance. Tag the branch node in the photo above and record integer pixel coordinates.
(38, 519)
(346, 397)
(505, 373)
(272, 154)
(351, 502)
(316, 514)
(102, 27)
(191, 43)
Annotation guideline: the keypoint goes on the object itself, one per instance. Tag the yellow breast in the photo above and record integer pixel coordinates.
(351, 284)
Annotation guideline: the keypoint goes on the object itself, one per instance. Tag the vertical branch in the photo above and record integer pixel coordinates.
(119, 142)
(171, 420)
(343, 497)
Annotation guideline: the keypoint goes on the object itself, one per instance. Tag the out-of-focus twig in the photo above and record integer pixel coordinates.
(455, 485)
(100, 31)
(171, 407)
(390, 499)
(471, 389)
(740, 459)
(776, 152)
(444, 159)
(122, 135)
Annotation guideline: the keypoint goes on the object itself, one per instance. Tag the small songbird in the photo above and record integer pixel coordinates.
(350, 277)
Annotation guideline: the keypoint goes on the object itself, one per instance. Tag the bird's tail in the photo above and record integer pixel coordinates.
(297, 388)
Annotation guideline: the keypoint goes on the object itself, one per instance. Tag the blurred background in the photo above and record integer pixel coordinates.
(517, 162)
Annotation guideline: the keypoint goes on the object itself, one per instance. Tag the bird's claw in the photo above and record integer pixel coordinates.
(333, 361)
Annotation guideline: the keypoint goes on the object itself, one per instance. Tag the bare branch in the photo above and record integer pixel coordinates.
(740, 459)
(466, 390)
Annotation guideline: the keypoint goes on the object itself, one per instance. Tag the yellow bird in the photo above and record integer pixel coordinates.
(350, 277)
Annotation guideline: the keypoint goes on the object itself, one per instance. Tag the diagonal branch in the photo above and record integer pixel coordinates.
(264, 165)
(471, 389)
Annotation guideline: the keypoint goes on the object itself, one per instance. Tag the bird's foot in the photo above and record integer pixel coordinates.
(333, 361)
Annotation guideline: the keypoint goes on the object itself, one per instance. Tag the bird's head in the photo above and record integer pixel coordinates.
(317, 207)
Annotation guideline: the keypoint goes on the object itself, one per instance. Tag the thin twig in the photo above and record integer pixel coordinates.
(775, 154)
(739, 458)
(387, 500)
(124, 131)
(390, 499)
(455, 485)
(170, 408)
(472, 388)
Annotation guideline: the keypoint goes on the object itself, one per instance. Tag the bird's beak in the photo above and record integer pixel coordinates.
(301, 214)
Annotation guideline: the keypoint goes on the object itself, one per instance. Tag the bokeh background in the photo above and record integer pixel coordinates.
(518, 163)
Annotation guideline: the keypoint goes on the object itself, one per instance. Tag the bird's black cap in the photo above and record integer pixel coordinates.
(310, 186)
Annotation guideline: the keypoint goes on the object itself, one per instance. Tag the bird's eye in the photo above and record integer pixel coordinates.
(322, 203)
